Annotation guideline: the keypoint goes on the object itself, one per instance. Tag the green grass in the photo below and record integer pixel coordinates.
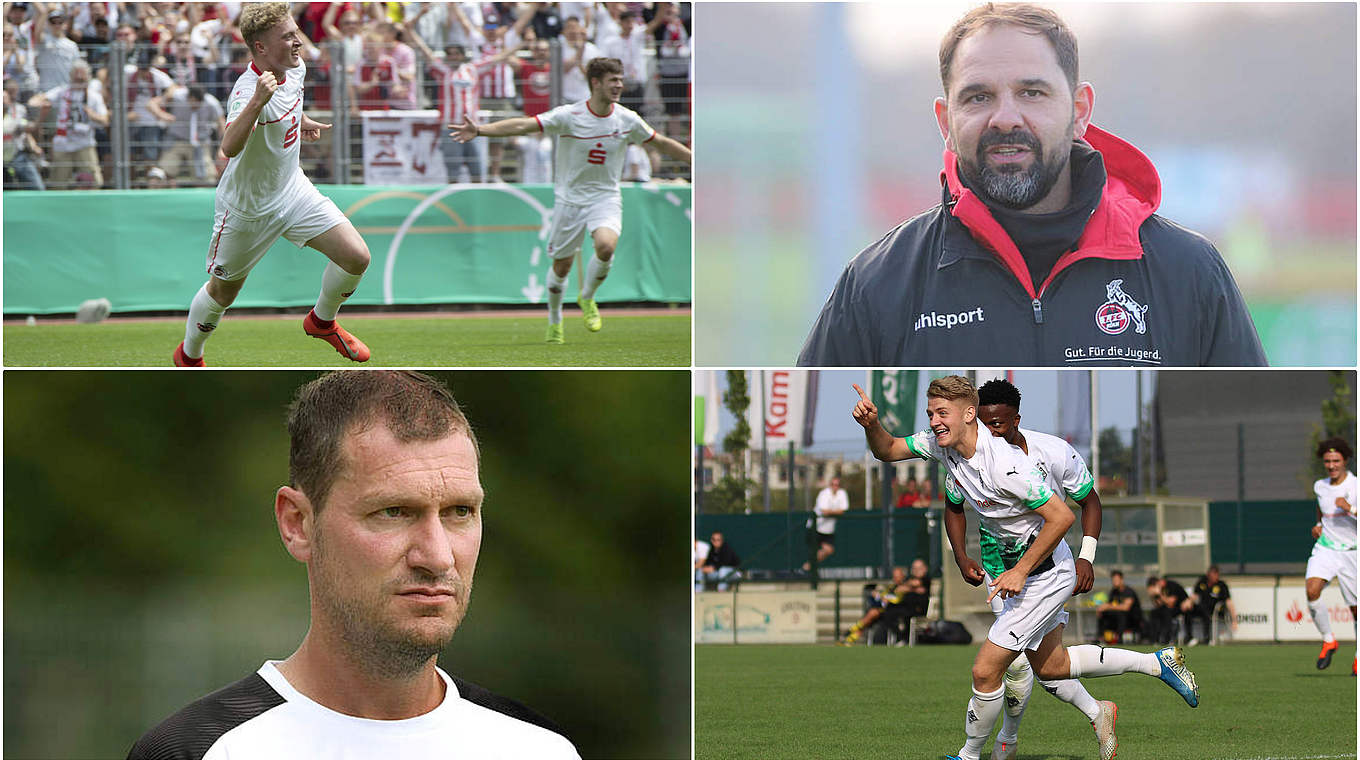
(1256, 703)
(625, 341)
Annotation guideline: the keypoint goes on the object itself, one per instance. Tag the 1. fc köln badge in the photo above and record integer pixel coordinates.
(1119, 311)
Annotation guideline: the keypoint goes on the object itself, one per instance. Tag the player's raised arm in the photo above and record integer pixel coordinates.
(884, 445)
(673, 148)
(470, 129)
(1057, 519)
(238, 131)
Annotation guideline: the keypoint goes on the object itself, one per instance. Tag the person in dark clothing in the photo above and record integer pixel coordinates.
(1122, 613)
(902, 598)
(722, 562)
(1045, 248)
(1209, 592)
(1168, 600)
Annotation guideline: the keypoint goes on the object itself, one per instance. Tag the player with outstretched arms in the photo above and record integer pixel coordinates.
(1032, 571)
(1335, 549)
(263, 194)
(592, 140)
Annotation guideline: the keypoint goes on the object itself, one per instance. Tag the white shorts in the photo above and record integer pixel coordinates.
(239, 242)
(1023, 620)
(570, 223)
(1328, 564)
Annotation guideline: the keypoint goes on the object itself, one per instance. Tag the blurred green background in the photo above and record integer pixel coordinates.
(143, 567)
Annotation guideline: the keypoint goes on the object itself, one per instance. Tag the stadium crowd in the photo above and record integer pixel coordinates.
(62, 107)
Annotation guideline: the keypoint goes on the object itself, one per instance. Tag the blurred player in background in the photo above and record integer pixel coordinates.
(1334, 553)
(1064, 471)
(593, 137)
(263, 194)
(1022, 523)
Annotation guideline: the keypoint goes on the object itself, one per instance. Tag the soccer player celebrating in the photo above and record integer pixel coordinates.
(1032, 571)
(1064, 471)
(1334, 553)
(263, 194)
(593, 136)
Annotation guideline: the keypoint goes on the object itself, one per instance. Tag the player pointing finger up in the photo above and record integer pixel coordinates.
(865, 413)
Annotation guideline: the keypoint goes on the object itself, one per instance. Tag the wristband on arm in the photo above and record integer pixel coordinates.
(1088, 549)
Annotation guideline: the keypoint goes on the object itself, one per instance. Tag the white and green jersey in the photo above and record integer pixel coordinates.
(1003, 486)
(1062, 467)
(1338, 527)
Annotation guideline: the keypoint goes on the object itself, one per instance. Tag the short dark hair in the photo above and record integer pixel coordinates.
(1119, 573)
(1029, 18)
(195, 92)
(999, 392)
(413, 407)
(599, 68)
(1213, 569)
(1338, 445)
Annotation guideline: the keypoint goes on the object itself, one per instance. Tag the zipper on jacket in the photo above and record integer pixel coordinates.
(1038, 311)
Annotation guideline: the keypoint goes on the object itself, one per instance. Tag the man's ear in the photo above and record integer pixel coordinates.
(942, 120)
(297, 522)
(1083, 105)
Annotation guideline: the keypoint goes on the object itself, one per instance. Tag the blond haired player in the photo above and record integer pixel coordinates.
(1034, 574)
(1334, 553)
(592, 139)
(263, 194)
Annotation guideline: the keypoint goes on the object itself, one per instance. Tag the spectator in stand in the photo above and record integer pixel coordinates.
(192, 138)
(1168, 600)
(350, 35)
(1121, 613)
(701, 550)
(1209, 592)
(180, 63)
(903, 598)
(459, 97)
(498, 82)
(669, 28)
(18, 62)
(545, 20)
(722, 563)
(637, 165)
(577, 52)
(208, 40)
(630, 47)
(53, 52)
(77, 107)
(464, 26)
(535, 86)
(147, 117)
(22, 152)
(910, 496)
(400, 62)
(607, 25)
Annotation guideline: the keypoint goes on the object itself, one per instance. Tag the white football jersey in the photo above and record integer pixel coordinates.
(1338, 528)
(1002, 485)
(591, 149)
(263, 716)
(266, 172)
(1062, 467)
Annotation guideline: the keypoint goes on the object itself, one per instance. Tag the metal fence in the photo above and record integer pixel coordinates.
(147, 142)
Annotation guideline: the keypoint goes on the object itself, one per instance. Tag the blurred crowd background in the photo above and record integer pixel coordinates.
(818, 137)
(143, 567)
(128, 95)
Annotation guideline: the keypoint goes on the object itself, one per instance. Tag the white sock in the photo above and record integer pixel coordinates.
(1321, 620)
(1091, 661)
(556, 285)
(1073, 693)
(336, 286)
(1019, 684)
(983, 710)
(204, 314)
(596, 271)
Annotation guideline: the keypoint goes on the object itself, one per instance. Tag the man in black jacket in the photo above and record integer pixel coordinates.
(722, 562)
(1045, 249)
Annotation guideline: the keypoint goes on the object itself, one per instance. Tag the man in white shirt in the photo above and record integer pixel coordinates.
(576, 55)
(1022, 524)
(832, 502)
(1334, 550)
(78, 108)
(384, 507)
(592, 140)
(630, 47)
(263, 194)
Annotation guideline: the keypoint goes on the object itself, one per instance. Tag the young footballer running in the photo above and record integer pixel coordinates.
(1022, 524)
(1334, 553)
(263, 194)
(592, 139)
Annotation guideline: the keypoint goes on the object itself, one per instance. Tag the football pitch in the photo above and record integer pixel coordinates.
(1256, 703)
(660, 340)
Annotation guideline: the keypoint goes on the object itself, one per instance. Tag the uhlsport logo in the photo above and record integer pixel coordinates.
(1119, 311)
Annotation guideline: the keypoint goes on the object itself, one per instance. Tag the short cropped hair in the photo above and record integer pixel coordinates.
(335, 406)
(953, 388)
(257, 17)
(599, 68)
(999, 392)
(1029, 18)
(1119, 573)
(1338, 445)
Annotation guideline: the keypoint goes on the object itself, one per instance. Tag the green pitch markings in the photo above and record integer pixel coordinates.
(626, 341)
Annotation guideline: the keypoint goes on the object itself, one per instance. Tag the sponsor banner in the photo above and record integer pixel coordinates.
(402, 148)
(778, 404)
(1255, 613)
(1188, 537)
(755, 617)
(894, 393)
(704, 388)
(1295, 623)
